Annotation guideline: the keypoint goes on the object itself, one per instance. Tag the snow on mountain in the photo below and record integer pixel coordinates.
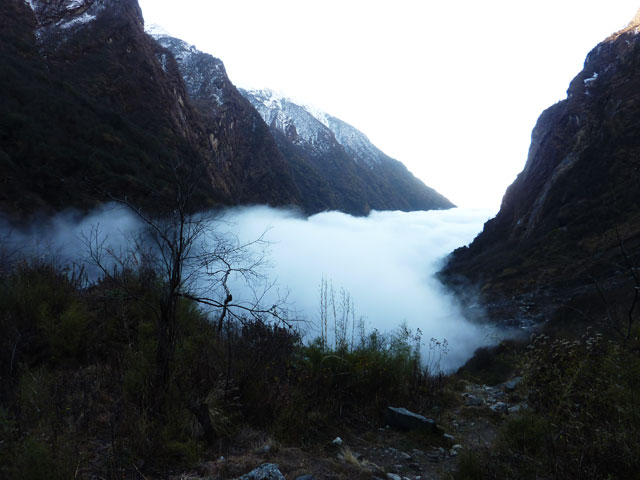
(299, 124)
(156, 30)
(203, 74)
(313, 126)
(356, 142)
(55, 19)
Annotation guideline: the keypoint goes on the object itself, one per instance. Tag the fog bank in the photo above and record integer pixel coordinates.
(386, 262)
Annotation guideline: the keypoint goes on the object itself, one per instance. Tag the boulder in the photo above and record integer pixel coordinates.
(472, 400)
(511, 385)
(499, 407)
(267, 471)
(405, 420)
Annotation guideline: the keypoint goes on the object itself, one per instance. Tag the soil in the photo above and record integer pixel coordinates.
(373, 450)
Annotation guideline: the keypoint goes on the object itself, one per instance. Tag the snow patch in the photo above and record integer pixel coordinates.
(81, 20)
(162, 58)
(31, 4)
(589, 81)
(318, 114)
(156, 30)
(73, 4)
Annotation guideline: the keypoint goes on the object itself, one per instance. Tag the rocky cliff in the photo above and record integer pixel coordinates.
(569, 225)
(91, 107)
(333, 165)
(88, 108)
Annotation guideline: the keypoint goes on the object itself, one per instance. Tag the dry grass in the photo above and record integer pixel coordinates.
(348, 457)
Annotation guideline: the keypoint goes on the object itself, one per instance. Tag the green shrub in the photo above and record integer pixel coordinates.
(34, 460)
(583, 420)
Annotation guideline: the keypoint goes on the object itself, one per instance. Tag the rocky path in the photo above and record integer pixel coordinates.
(378, 452)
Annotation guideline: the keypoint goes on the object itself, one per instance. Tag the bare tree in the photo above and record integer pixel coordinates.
(196, 260)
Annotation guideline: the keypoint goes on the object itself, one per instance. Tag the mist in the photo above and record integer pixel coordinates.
(386, 262)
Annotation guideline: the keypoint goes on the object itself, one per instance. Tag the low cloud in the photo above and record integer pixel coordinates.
(386, 262)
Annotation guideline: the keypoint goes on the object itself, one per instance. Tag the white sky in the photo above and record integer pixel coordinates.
(450, 88)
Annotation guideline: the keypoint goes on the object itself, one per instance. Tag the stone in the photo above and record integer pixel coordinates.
(449, 437)
(266, 471)
(404, 456)
(305, 477)
(472, 400)
(512, 384)
(393, 476)
(337, 442)
(405, 420)
(499, 407)
(515, 408)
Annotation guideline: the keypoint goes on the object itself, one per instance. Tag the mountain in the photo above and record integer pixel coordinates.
(92, 104)
(568, 229)
(92, 107)
(333, 165)
(321, 145)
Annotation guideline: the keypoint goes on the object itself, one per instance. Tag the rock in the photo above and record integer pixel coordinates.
(449, 437)
(405, 420)
(267, 471)
(264, 449)
(456, 447)
(404, 456)
(499, 407)
(512, 384)
(305, 477)
(337, 442)
(393, 476)
(472, 400)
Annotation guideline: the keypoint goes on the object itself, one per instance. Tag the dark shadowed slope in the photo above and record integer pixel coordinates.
(571, 220)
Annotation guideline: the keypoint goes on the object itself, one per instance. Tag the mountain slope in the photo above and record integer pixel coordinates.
(242, 148)
(92, 107)
(327, 174)
(87, 108)
(569, 226)
(322, 142)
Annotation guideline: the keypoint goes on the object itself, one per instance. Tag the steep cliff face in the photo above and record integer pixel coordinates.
(321, 161)
(93, 107)
(568, 217)
(88, 108)
(243, 151)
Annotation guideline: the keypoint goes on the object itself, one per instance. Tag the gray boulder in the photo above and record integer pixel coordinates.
(472, 400)
(405, 420)
(267, 471)
(499, 407)
(512, 384)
